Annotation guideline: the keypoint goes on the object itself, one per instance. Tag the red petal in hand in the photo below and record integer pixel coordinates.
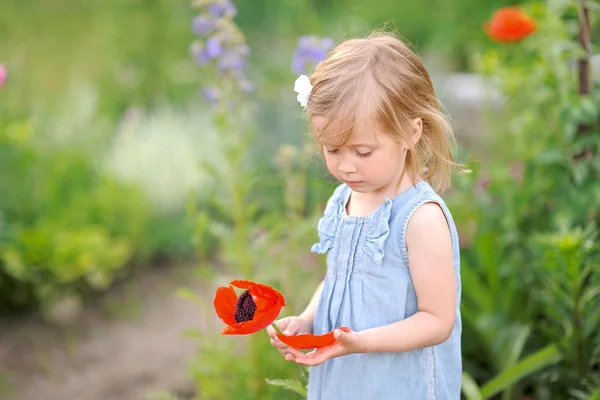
(310, 341)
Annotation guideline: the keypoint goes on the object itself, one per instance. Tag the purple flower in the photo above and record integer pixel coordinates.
(327, 43)
(222, 8)
(212, 94)
(213, 47)
(231, 62)
(202, 58)
(298, 67)
(199, 53)
(224, 47)
(311, 50)
(233, 59)
(202, 25)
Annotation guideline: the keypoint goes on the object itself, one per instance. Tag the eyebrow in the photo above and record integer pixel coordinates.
(358, 144)
(362, 144)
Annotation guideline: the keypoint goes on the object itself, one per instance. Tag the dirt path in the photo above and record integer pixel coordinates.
(126, 346)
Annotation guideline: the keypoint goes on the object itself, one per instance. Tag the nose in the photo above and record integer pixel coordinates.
(346, 167)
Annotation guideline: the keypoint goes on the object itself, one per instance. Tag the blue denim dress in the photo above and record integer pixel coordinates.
(368, 284)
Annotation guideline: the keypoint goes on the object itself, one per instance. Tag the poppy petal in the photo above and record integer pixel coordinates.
(229, 330)
(310, 341)
(243, 328)
(263, 303)
(260, 321)
(224, 302)
(242, 284)
(265, 318)
(257, 289)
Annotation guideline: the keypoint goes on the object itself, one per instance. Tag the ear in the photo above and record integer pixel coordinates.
(417, 128)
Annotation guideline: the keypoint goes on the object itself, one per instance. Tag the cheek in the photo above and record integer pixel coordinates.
(387, 164)
(331, 164)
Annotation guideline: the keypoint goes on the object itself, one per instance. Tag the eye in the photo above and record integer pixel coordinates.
(331, 151)
(364, 155)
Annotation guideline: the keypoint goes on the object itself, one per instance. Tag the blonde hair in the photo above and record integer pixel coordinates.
(381, 80)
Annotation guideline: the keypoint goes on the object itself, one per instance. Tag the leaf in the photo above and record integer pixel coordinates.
(479, 293)
(470, 388)
(580, 173)
(539, 360)
(588, 111)
(549, 157)
(589, 294)
(518, 344)
(592, 320)
(289, 384)
(595, 395)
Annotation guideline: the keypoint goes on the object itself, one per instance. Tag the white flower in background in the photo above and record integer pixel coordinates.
(164, 153)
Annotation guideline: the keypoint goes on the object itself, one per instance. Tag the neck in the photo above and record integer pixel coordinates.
(365, 203)
(394, 188)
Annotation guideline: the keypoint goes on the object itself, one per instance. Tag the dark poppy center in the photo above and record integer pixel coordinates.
(245, 307)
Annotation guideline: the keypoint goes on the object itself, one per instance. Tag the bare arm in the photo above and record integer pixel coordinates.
(431, 266)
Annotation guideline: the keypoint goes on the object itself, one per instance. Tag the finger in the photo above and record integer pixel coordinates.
(278, 344)
(289, 357)
(349, 340)
(316, 359)
(343, 337)
(293, 327)
(284, 352)
(281, 324)
(296, 353)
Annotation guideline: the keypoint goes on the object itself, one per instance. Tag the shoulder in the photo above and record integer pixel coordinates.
(428, 215)
(429, 224)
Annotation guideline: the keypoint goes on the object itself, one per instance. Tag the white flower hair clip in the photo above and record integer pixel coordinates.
(303, 87)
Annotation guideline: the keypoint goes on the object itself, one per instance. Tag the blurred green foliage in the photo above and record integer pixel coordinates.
(528, 219)
(529, 215)
(89, 187)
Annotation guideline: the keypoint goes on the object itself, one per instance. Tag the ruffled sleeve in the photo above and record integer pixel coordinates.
(328, 224)
(379, 230)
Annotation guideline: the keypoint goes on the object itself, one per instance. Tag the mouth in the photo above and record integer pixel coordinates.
(353, 183)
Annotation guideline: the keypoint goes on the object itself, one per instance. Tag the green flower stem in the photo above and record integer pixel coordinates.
(274, 325)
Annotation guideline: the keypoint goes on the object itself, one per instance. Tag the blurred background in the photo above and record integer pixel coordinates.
(152, 150)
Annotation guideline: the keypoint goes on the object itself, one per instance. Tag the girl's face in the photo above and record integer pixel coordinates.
(368, 162)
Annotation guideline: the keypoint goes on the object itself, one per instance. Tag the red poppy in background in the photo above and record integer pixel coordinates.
(309, 341)
(3, 74)
(255, 309)
(509, 24)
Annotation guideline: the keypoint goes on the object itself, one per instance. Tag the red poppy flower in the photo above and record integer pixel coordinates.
(255, 309)
(309, 341)
(509, 24)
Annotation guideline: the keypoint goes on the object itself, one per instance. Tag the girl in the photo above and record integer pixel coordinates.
(392, 248)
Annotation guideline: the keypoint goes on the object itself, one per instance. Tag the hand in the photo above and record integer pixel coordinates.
(289, 326)
(347, 343)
